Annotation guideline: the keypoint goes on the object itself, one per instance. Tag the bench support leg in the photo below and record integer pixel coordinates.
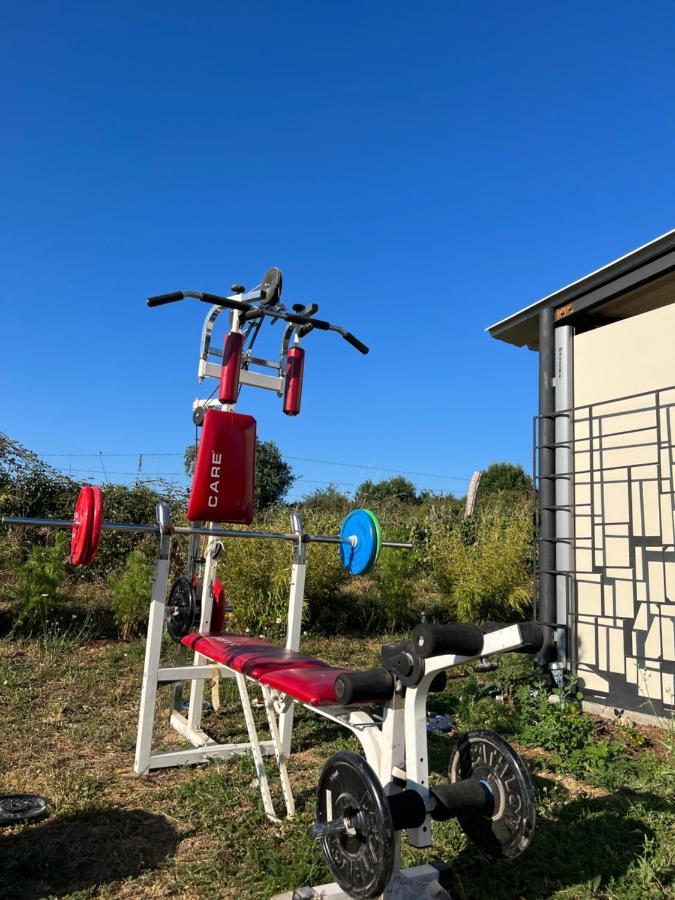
(278, 751)
(255, 748)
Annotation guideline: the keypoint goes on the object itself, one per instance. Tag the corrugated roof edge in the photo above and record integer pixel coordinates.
(603, 275)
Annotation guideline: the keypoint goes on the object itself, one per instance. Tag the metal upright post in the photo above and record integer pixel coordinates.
(564, 486)
(295, 604)
(194, 717)
(153, 646)
(547, 479)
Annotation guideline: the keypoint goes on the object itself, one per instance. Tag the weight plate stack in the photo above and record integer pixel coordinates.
(361, 855)
(506, 831)
(182, 608)
(360, 543)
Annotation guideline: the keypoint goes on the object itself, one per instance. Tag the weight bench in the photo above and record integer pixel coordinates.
(376, 798)
(489, 792)
(284, 677)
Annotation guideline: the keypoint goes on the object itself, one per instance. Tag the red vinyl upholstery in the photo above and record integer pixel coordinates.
(302, 677)
(313, 686)
(250, 656)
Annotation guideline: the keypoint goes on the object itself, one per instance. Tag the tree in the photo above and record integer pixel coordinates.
(327, 499)
(375, 493)
(501, 477)
(273, 475)
(189, 458)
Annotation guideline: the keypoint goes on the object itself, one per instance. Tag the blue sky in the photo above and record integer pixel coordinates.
(420, 170)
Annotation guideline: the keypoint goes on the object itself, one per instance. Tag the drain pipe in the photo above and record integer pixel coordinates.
(547, 491)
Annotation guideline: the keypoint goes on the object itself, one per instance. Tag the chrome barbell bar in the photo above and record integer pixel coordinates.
(209, 532)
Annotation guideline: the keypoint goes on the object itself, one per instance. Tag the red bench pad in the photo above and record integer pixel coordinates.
(302, 677)
(250, 656)
(313, 686)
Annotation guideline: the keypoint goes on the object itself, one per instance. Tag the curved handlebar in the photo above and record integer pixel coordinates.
(254, 311)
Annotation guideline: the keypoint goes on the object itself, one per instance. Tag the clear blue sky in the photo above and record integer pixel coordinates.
(420, 169)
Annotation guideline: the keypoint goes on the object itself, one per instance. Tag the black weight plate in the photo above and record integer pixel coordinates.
(271, 286)
(484, 755)
(362, 859)
(16, 809)
(182, 608)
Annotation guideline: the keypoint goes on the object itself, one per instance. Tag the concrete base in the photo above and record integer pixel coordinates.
(420, 883)
(612, 712)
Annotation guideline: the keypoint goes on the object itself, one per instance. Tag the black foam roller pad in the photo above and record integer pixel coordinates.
(470, 795)
(407, 809)
(374, 686)
(533, 636)
(531, 632)
(459, 637)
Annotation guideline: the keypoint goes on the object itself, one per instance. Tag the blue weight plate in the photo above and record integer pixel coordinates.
(359, 558)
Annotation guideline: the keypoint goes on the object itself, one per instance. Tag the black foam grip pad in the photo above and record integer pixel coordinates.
(459, 637)
(533, 635)
(355, 342)
(407, 809)
(161, 299)
(374, 686)
(452, 800)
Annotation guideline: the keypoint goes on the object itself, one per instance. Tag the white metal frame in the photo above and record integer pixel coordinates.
(395, 744)
(202, 669)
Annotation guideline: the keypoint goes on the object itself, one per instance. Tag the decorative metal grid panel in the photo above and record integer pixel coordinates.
(620, 592)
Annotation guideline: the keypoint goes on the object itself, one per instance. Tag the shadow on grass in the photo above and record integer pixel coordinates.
(590, 842)
(82, 851)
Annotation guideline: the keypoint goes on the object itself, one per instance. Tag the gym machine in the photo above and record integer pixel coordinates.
(363, 803)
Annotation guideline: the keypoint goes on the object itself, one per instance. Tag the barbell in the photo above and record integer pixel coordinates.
(489, 792)
(360, 538)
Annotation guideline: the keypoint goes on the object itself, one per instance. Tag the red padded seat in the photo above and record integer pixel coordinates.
(249, 656)
(313, 686)
(302, 677)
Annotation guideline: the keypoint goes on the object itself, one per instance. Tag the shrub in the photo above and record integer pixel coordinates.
(395, 576)
(39, 580)
(483, 566)
(131, 594)
(256, 574)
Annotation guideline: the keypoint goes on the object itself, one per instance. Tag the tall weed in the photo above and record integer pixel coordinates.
(36, 594)
(131, 594)
(482, 566)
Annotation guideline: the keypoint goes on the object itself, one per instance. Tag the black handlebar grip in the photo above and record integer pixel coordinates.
(355, 342)
(459, 637)
(161, 299)
(375, 686)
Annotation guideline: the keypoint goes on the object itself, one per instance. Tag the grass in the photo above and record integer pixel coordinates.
(606, 826)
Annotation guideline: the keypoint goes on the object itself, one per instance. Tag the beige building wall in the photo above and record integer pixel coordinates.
(624, 498)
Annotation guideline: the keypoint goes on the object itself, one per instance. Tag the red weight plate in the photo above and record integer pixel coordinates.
(96, 523)
(80, 541)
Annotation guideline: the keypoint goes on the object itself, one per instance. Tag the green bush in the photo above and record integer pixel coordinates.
(131, 594)
(482, 566)
(35, 596)
(256, 574)
(395, 576)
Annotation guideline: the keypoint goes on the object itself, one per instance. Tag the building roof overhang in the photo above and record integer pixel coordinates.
(637, 282)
